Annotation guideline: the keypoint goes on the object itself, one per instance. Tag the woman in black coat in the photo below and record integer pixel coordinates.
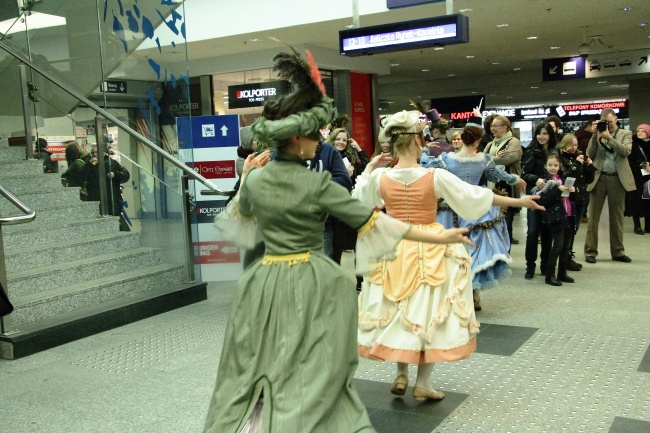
(533, 172)
(635, 205)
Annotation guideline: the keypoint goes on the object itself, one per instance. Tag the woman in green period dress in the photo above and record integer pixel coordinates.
(291, 336)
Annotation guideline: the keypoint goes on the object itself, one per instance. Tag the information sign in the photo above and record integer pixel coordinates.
(407, 35)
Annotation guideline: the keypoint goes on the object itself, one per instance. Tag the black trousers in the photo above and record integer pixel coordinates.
(535, 230)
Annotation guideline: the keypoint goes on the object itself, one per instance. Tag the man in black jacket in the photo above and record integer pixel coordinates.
(117, 176)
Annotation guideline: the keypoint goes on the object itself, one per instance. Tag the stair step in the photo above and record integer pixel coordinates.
(37, 199)
(26, 168)
(19, 236)
(66, 212)
(46, 278)
(20, 259)
(13, 153)
(62, 300)
(45, 334)
(24, 184)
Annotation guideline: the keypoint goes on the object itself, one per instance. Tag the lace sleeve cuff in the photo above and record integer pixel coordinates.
(377, 240)
(236, 228)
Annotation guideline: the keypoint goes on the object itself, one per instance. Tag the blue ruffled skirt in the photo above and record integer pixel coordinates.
(490, 256)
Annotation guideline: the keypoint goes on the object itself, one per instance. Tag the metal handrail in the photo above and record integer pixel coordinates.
(20, 219)
(150, 144)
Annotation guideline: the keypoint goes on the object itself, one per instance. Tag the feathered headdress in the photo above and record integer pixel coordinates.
(432, 115)
(302, 112)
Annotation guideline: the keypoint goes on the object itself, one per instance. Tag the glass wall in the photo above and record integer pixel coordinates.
(128, 57)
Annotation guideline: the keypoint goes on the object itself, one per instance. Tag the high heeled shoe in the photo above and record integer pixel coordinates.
(400, 384)
(421, 394)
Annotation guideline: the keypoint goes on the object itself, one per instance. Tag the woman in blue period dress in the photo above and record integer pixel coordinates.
(290, 352)
(418, 309)
(489, 233)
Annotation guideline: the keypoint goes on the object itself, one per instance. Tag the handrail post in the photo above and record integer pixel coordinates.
(5, 322)
(101, 166)
(187, 224)
(29, 137)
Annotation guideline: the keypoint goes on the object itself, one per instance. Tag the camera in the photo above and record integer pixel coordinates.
(602, 125)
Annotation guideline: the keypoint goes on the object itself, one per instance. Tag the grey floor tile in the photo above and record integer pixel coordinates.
(502, 340)
(377, 395)
(628, 425)
(645, 362)
(388, 421)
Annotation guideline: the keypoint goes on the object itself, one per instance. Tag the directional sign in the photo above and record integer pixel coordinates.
(112, 86)
(208, 131)
(564, 68)
(608, 64)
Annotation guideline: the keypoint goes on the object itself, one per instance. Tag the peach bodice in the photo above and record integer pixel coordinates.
(414, 203)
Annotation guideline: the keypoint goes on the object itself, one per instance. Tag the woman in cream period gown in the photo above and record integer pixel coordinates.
(418, 309)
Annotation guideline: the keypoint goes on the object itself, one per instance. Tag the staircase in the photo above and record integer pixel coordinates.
(71, 273)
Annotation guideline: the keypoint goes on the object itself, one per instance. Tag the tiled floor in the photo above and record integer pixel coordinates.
(574, 358)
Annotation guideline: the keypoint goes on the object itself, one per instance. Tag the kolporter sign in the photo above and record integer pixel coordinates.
(256, 94)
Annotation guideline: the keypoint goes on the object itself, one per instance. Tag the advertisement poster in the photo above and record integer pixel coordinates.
(360, 94)
(208, 144)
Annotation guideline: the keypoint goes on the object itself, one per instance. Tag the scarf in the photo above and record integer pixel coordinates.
(493, 148)
(497, 142)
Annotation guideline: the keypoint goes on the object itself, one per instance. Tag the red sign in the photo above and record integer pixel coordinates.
(360, 95)
(595, 106)
(58, 152)
(212, 252)
(214, 169)
(461, 115)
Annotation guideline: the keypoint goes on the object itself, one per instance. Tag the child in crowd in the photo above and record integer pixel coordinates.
(555, 220)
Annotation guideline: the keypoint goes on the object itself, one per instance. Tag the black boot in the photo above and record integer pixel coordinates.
(571, 264)
(637, 226)
(530, 272)
(550, 277)
(561, 271)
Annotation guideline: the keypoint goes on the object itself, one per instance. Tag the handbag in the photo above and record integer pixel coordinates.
(5, 305)
(645, 193)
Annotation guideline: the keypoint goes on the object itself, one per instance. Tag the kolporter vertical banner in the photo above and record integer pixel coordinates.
(361, 99)
(208, 144)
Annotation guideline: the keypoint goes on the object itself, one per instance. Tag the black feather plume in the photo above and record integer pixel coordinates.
(294, 68)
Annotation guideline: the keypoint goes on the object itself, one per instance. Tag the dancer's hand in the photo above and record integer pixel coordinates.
(456, 236)
(256, 161)
(530, 201)
(521, 185)
(380, 160)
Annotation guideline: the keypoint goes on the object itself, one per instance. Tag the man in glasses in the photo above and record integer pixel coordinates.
(608, 148)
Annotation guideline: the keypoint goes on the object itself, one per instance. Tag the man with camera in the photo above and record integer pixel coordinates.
(609, 148)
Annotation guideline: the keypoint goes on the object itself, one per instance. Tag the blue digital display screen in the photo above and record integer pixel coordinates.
(427, 32)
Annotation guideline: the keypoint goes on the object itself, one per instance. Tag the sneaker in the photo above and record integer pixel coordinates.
(590, 259)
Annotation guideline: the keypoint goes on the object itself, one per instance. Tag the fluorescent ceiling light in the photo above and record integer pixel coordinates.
(34, 21)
